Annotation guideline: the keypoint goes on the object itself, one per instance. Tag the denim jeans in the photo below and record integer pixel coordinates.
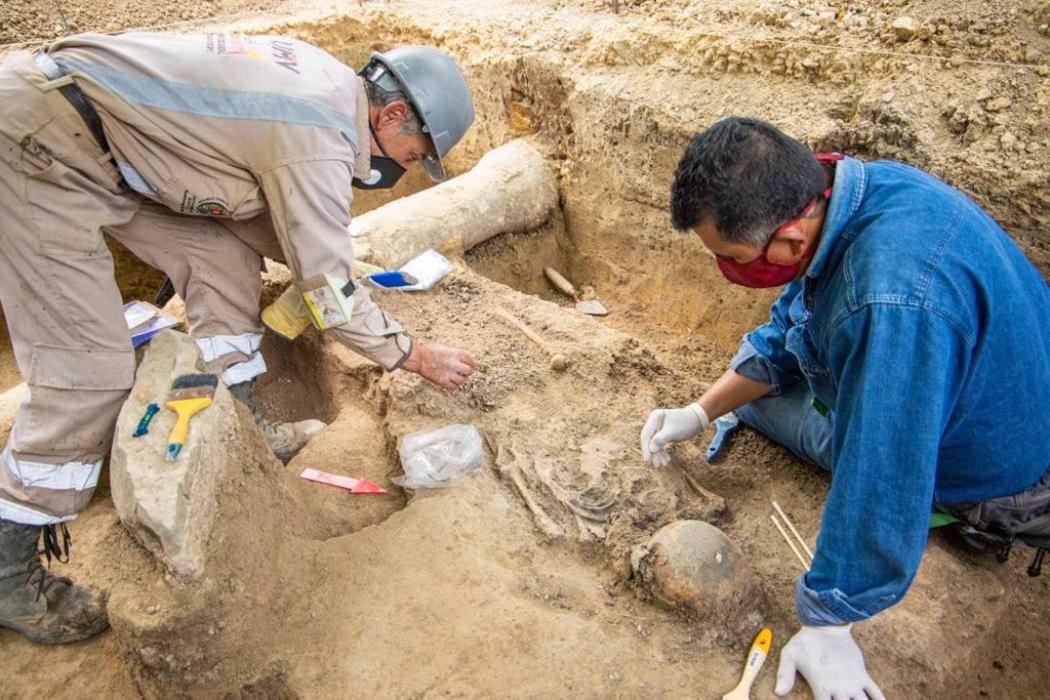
(792, 421)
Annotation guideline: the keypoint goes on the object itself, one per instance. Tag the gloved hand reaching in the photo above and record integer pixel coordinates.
(830, 661)
(669, 425)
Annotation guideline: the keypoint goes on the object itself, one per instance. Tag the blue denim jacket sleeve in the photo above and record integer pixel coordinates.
(900, 367)
(762, 355)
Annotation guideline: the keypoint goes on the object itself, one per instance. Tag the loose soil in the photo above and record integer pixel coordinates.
(516, 582)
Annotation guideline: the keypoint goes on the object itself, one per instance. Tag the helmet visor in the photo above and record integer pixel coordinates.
(436, 171)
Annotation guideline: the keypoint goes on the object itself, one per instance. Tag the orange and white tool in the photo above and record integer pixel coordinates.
(755, 658)
(344, 482)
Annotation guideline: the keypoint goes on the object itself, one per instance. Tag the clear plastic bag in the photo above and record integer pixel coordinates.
(439, 458)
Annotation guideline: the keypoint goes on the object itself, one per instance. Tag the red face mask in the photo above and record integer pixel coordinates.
(760, 272)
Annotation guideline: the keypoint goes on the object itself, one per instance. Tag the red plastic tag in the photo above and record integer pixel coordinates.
(344, 482)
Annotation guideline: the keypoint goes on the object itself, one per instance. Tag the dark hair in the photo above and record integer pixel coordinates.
(380, 97)
(745, 175)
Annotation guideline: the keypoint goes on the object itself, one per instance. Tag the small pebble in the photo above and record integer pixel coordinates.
(998, 104)
(559, 363)
(904, 27)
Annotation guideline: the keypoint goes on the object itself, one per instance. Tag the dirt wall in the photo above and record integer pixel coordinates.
(957, 88)
(960, 90)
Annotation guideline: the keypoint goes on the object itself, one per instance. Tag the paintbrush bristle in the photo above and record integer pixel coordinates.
(199, 392)
(193, 381)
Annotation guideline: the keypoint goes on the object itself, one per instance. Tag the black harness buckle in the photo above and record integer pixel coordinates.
(75, 96)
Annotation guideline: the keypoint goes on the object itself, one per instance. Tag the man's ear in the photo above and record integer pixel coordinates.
(392, 114)
(792, 244)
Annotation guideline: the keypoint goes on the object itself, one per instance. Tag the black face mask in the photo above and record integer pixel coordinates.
(385, 170)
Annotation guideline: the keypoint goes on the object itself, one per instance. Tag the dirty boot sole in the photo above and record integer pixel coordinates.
(286, 439)
(62, 634)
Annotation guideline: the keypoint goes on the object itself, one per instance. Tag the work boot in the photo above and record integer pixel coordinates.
(285, 439)
(47, 609)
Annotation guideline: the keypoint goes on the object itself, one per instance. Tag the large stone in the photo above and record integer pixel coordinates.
(218, 520)
(692, 565)
(170, 507)
(510, 190)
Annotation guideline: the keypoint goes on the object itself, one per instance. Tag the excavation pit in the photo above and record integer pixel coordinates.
(432, 592)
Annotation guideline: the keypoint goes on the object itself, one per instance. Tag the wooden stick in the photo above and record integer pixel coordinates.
(787, 538)
(791, 525)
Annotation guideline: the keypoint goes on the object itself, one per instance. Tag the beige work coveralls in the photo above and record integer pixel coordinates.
(223, 148)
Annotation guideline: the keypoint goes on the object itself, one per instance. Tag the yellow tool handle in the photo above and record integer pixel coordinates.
(764, 640)
(560, 282)
(185, 409)
(756, 656)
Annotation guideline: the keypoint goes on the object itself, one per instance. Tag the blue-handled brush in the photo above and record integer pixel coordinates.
(724, 427)
(393, 279)
(147, 418)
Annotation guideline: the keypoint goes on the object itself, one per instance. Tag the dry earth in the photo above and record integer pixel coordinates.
(497, 587)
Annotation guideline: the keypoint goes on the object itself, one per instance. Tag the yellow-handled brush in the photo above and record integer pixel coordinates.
(755, 658)
(190, 394)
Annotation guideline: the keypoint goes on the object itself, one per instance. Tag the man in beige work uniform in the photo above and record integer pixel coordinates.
(201, 154)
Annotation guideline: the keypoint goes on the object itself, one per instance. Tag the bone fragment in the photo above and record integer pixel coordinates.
(518, 325)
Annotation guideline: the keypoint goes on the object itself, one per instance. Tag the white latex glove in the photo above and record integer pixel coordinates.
(669, 425)
(830, 661)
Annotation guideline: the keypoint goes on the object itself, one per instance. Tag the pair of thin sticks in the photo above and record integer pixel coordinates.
(806, 563)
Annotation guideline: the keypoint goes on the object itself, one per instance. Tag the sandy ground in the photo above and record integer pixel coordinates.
(38, 20)
(496, 587)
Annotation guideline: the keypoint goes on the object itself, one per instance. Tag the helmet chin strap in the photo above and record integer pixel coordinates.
(384, 171)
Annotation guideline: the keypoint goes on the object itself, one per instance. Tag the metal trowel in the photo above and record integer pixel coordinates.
(591, 307)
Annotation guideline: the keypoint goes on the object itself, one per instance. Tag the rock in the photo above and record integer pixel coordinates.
(559, 363)
(998, 104)
(218, 520)
(511, 189)
(693, 565)
(170, 506)
(904, 28)
(1008, 141)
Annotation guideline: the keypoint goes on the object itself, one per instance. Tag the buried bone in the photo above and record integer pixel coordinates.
(563, 497)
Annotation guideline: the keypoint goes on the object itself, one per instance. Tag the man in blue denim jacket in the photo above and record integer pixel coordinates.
(909, 354)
